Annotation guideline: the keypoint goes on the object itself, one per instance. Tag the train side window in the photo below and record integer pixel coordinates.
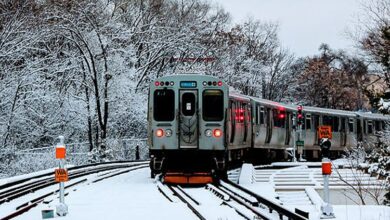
(365, 126)
(335, 124)
(384, 125)
(214, 111)
(261, 115)
(279, 118)
(164, 105)
(342, 129)
(327, 120)
(257, 114)
(377, 125)
(350, 125)
(308, 121)
(369, 127)
(316, 121)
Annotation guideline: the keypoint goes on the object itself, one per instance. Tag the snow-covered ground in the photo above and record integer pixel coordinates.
(134, 195)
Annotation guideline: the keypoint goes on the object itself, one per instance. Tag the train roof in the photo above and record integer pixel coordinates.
(188, 76)
(310, 109)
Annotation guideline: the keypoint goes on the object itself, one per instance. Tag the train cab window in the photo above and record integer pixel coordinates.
(164, 105)
(308, 122)
(369, 127)
(212, 105)
(188, 104)
(350, 125)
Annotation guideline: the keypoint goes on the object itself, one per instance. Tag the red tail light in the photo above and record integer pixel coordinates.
(160, 132)
(217, 133)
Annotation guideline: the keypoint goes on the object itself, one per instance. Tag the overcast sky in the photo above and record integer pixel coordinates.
(304, 24)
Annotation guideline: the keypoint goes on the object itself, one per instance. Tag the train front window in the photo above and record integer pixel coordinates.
(164, 105)
(212, 105)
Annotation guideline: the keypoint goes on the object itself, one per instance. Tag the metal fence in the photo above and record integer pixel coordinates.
(14, 162)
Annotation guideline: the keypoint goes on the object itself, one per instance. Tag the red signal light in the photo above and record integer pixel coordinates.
(157, 83)
(281, 116)
(217, 133)
(219, 83)
(160, 132)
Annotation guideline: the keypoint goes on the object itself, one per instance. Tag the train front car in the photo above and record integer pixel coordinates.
(186, 117)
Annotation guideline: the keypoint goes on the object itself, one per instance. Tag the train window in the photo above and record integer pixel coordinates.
(377, 126)
(342, 129)
(369, 127)
(164, 105)
(240, 112)
(279, 118)
(365, 126)
(327, 120)
(335, 124)
(261, 115)
(212, 105)
(188, 104)
(350, 125)
(316, 121)
(257, 114)
(383, 125)
(308, 122)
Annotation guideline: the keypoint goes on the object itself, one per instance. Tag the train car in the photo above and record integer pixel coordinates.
(196, 127)
(187, 117)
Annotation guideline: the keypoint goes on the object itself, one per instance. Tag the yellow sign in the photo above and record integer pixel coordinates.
(325, 131)
(61, 175)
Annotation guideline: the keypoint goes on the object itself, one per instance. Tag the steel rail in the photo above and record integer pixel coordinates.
(185, 201)
(271, 205)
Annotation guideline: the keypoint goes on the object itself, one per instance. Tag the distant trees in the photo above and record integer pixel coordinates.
(331, 80)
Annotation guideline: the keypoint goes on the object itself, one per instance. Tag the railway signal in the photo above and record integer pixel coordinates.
(61, 176)
(300, 115)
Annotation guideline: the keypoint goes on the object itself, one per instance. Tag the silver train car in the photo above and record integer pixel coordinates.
(187, 120)
(194, 120)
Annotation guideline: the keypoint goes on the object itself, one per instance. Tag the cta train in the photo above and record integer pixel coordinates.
(196, 127)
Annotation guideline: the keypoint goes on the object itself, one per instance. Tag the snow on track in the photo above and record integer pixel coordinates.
(131, 195)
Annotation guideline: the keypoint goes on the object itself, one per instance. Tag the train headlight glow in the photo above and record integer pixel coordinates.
(208, 133)
(159, 132)
(168, 132)
(217, 133)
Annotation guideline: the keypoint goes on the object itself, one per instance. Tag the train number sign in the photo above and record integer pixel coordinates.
(325, 131)
(61, 175)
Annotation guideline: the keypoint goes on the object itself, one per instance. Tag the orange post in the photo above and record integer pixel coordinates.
(326, 168)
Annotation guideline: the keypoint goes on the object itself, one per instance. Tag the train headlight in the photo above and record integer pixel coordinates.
(208, 133)
(159, 132)
(168, 132)
(217, 133)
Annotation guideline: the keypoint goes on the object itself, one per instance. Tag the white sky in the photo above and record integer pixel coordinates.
(303, 24)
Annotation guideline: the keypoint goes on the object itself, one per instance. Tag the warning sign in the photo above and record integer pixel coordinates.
(61, 175)
(60, 152)
(325, 131)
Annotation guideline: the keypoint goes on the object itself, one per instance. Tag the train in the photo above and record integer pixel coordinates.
(196, 127)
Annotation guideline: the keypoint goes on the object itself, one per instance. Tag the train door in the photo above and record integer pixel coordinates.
(269, 125)
(188, 121)
(343, 132)
(288, 127)
(359, 130)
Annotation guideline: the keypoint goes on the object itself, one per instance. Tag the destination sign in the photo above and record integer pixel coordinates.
(188, 84)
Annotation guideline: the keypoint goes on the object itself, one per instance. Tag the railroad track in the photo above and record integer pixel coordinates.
(226, 200)
(77, 174)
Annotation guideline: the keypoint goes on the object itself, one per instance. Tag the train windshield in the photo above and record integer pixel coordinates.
(164, 105)
(212, 105)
